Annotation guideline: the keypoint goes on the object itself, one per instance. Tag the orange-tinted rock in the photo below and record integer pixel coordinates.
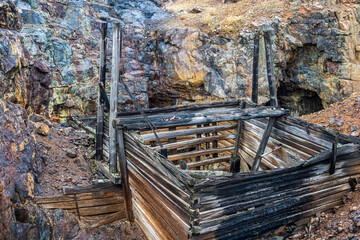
(42, 129)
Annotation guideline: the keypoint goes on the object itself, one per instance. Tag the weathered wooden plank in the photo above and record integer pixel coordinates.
(186, 132)
(124, 175)
(100, 210)
(88, 203)
(198, 147)
(235, 159)
(209, 161)
(255, 76)
(193, 142)
(168, 116)
(198, 153)
(115, 76)
(333, 157)
(263, 144)
(160, 205)
(245, 114)
(171, 140)
(80, 196)
(163, 231)
(191, 107)
(215, 142)
(102, 75)
(90, 188)
(298, 147)
(270, 70)
(108, 219)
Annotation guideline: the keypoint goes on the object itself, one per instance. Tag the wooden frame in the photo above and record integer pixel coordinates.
(283, 169)
(293, 183)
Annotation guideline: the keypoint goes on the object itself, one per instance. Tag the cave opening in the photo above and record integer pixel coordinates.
(298, 100)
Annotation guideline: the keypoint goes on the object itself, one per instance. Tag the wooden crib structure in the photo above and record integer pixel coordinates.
(227, 170)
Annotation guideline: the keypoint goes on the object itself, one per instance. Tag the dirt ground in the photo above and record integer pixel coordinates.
(342, 117)
(215, 17)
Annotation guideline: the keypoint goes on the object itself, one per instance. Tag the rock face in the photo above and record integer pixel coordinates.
(49, 61)
(315, 56)
(21, 162)
(19, 166)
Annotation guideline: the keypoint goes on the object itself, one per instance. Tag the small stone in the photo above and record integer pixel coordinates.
(36, 118)
(353, 128)
(355, 134)
(69, 103)
(340, 229)
(42, 129)
(71, 154)
(331, 120)
(196, 9)
(340, 122)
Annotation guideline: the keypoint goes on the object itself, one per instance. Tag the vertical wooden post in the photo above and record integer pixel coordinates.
(207, 145)
(255, 77)
(333, 156)
(172, 140)
(164, 152)
(100, 101)
(270, 70)
(215, 143)
(198, 147)
(115, 75)
(235, 160)
(124, 175)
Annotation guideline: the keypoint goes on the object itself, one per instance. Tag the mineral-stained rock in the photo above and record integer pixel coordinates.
(9, 17)
(31, 17)
(17, 164)
(316, 56)
(42, 129)
(20, 163)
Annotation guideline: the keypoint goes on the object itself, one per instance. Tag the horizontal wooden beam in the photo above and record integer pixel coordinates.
(209, 161)
(171, 121)
(91, 188)
(181, 108)
(187, 132)
(199, 153)
(195, 141)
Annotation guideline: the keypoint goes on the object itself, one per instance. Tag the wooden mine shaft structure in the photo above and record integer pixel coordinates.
(228, 170)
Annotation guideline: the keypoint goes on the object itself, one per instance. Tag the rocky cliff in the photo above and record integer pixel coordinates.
(49, 55)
